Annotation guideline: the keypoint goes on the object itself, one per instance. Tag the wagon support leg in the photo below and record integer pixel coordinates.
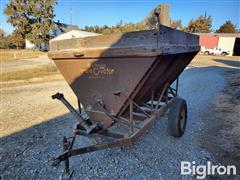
(67, 172)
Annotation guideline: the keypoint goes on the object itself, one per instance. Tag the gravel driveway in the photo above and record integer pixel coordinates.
(26, 153)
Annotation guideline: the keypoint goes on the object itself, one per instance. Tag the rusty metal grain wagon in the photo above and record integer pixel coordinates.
(124, 79)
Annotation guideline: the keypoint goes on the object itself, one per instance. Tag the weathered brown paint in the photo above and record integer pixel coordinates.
(114, 68)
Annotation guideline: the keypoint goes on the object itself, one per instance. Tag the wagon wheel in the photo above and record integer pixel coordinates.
(177, 117)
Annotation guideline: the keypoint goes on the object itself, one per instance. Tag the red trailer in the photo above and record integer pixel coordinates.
(208, 41)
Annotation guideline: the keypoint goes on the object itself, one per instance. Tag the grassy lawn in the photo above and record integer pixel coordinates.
(29, 73)
(11, 55)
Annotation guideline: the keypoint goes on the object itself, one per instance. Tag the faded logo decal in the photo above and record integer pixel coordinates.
(99, 71)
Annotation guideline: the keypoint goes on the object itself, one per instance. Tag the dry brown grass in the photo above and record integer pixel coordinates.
(11, 55)
(29, 73)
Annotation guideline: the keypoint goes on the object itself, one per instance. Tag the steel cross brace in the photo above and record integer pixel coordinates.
(144, 126)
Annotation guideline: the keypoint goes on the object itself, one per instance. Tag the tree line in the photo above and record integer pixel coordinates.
(202, 24)
(34, 20)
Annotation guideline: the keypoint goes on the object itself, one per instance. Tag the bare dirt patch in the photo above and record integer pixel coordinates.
(222, 137)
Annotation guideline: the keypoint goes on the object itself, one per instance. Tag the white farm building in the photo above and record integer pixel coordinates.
(62, 31)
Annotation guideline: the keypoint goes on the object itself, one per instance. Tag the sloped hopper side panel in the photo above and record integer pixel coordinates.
(103, 79)
(167, 69)
(113, 81)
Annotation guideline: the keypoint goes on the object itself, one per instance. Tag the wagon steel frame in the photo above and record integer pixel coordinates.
(147, 114)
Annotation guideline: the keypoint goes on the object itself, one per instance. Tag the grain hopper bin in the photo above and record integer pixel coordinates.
(124, 79)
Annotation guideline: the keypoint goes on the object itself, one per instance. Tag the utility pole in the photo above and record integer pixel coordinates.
(71, 13)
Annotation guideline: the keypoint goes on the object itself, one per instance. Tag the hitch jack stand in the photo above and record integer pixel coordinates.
(67, 173)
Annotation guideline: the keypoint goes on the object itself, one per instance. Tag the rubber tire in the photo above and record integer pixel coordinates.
(206, 53)
(223, 53)
(174, 117)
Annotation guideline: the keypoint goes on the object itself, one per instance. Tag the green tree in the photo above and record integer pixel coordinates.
(227, 27)
(15, 40)
(97, 29)
(203, 24)
(2, 33)
(89, 28)
(2, 39)
(176, 24)
(9, 41)
(118, 28)
(32, 19)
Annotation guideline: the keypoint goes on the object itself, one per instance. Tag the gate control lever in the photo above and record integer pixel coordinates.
(83, 123)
